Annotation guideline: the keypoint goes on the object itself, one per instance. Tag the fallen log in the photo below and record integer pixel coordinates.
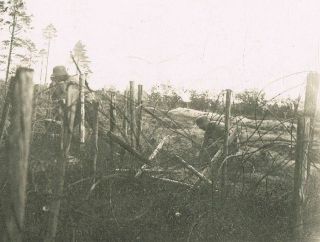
(193, 170)
(172, 181)
(166, 124)
(128, 148)
(150, 171)
(153, 155)
(181, 114)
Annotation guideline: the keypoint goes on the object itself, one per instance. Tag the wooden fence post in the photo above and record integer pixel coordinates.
(95, 139)
(19, 143)
(55, 204)
(82, 109)
(310, 106)
(125, 113)
(302, 150)
(124, 123)
(112, 126)
(132, 113)
(139, 117)
(225, 143)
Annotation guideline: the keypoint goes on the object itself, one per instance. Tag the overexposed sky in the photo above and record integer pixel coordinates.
(200, 44)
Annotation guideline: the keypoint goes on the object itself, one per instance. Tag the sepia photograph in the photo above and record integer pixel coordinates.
(159, 121)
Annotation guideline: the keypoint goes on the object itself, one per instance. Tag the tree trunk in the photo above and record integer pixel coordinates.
(47, 62)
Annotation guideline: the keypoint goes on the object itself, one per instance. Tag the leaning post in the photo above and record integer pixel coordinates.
(139, 117)
(225, 143)
(124, 123)
(95, 139)
(82, 108)
(132, 113)
(112, 126)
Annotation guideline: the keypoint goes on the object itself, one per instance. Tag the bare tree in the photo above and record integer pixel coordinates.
(49, 33)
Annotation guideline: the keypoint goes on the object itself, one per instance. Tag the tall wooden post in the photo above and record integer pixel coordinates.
(19, 143)
(132, 113)
(124, 123)
(310, 105)
(225, 142)
(60, 174)
(125, 113)
(95, 139)
(82, 109)
(302, 150)
(112, 126)
(139, 117)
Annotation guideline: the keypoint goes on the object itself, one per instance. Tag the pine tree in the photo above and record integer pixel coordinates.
(49, 33)
(80, 56)
(20, 49)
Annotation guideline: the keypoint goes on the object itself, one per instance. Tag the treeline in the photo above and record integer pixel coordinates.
(18, 49)
(250, 103)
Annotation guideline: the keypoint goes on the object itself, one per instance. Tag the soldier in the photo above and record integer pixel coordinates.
(65, 89)
(213, 137)
(58, 88)
(59, 74)
(64, 84)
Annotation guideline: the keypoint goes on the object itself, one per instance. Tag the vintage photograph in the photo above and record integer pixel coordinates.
(159, 121)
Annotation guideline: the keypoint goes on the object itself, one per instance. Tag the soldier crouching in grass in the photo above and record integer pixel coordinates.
(212, 139)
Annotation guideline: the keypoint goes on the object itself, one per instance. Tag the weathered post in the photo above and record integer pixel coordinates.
(95, 139)
(225, 143)
(310, 106)
(19, 143)
(59, 182)
(125, 113)
(302, 150)
(82, 109)
(139, 117)
(112, 126)
(132, 113)
(124, 123)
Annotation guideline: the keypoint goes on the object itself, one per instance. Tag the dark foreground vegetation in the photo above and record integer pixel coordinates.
(115, 198)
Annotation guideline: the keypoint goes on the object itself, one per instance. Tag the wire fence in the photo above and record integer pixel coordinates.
(171, 147)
